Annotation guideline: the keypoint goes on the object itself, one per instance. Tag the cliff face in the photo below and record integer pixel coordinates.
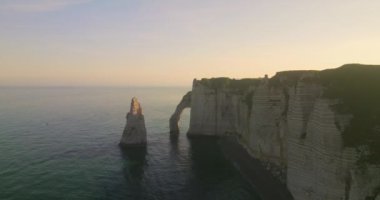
(289, 124)
(216, 111)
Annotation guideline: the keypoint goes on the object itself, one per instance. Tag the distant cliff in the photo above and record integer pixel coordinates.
(317, 131)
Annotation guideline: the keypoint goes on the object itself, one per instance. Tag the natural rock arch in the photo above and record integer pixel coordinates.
(185, 103)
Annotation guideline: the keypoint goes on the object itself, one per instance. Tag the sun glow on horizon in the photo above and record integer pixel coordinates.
(169, 43)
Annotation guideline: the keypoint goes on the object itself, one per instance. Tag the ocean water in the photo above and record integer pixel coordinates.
(62, 143)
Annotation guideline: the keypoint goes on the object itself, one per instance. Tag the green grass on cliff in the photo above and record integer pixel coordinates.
(290, 78)
(358, 88)
(240, 85)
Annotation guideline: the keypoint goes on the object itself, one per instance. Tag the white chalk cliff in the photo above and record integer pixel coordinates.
(173, 123)
(134, 132)
(291, 127)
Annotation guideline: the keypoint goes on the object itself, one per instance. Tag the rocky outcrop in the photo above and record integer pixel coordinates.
(134, 132)
(173, 123)
(292, 124)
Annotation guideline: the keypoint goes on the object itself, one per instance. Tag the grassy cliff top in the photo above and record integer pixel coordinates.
(234, 84)
(288, 78)
(358, 88)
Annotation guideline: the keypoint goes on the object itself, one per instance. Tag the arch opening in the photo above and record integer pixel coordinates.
(176, 116)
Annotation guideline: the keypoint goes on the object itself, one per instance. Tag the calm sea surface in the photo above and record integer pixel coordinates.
(62, 143)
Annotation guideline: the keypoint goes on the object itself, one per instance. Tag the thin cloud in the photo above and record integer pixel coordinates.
(38, 5)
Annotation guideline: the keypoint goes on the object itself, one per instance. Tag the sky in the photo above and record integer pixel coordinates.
(171, 42)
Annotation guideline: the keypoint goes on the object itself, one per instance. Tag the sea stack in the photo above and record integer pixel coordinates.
(134, 132)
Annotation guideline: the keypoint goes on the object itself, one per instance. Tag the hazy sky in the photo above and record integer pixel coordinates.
(170, 42)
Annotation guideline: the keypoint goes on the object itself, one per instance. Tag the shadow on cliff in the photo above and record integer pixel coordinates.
(262, 180)
(212, 175)
(207, 158)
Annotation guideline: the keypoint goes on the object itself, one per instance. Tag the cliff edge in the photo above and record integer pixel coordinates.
(318, 132)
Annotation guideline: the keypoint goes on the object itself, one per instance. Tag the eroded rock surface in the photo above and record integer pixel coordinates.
(173, 123)
(289, 124)
(135, 131)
